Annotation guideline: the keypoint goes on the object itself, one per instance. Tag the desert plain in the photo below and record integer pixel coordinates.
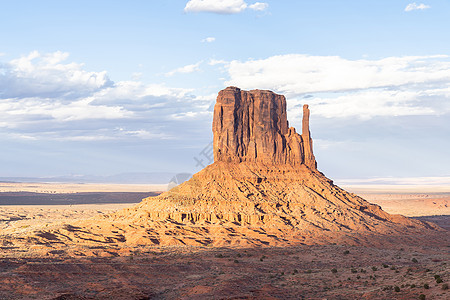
(202, 272)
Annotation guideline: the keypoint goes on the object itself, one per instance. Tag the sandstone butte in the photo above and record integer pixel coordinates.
(262, 189)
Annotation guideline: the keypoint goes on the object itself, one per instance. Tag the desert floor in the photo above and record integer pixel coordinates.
(304, 272)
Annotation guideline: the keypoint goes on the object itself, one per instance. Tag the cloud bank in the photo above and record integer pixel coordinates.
(44, 97)
(338, 87)
(223, 6)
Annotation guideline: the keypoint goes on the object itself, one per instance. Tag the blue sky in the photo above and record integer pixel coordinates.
(107, 87)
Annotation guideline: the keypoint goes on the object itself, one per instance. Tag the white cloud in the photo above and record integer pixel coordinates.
(208, 39)
(371, 103)
(213, 62)
(393, 86)
(415, 6)
(222, 6)
(47, 75)
(33, 109)
(185, 69)
(259, 6)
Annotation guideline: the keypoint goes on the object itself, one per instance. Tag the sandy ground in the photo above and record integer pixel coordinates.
(305, 272)
(410, 201)
(15, 218)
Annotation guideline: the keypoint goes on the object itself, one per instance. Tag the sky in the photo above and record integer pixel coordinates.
(109, 87)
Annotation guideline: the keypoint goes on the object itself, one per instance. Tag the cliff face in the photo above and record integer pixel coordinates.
(252, 126)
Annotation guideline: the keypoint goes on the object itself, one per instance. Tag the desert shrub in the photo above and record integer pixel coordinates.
(236, 261)
(308, 271)
(439, 280)
(354, 270)
(346, 252)
(422, 297)
(445, 286)
(220, 255)
(397, 289)
(238, 255)
(385, 266)
(295, 271)
(437, 276)
(363, 271)
(334, 270)
(374, 268)
(426, 286)
(413, 285)
(387, 288)
(358, 277)
(414, 260)
(392, 267)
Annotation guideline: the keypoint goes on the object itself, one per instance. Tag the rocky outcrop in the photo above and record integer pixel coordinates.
(252, 126)
(262, 189)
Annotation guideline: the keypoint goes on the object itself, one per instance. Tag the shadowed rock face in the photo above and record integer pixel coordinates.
(252, 126)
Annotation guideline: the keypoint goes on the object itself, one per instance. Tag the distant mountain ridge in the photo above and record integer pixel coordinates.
(124, 178)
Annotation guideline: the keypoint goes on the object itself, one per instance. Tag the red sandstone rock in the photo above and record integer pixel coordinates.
(252, 126)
